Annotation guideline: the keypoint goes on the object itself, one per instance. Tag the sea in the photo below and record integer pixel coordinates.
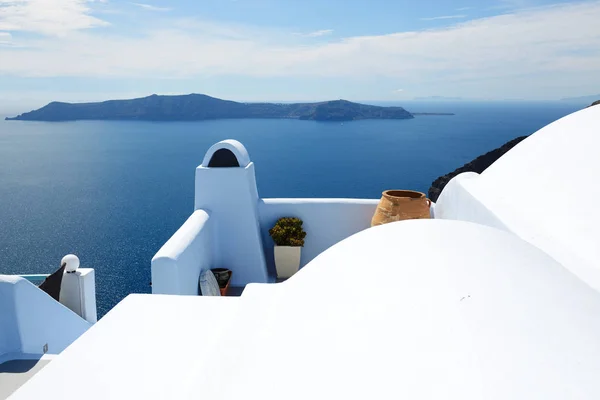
(114, 192)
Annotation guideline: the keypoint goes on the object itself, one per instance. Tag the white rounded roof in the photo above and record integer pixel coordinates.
(425, 309)
(543, 190)
(429, 310)
(232, 145)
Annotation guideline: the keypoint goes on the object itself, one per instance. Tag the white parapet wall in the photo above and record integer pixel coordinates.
(177, 265)
(31, 322)
(78, 293)
(326, 222)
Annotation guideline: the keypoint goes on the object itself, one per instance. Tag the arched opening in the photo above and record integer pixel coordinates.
(223, 158)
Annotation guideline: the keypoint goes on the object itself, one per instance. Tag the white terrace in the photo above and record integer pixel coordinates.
(495, 298)
(230, 227)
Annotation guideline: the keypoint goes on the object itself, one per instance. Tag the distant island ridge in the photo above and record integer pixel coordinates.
(438, 98)
(582, 99)
(197, 107)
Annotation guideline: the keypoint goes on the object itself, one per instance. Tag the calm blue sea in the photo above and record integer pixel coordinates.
(114, 192)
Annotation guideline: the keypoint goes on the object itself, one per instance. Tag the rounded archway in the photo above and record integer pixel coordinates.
(226, 154)
(223, 158)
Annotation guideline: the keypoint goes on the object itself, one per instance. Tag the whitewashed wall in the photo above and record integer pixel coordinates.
(231, 197)
(177, 265)
(326, 222)
(30, 319)
(10, 342)
(78, 293)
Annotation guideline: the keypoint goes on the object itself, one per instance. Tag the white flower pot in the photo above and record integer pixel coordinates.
(287, 260)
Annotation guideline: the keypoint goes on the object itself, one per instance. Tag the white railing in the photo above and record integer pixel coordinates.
(177, 265)
(36, 279)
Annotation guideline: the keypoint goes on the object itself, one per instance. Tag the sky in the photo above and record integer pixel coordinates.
(297, 50)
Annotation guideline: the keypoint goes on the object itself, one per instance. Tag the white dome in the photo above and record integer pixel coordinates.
(543, 190)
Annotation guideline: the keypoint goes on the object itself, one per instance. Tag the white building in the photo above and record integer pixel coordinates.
(34, 328)
(495, 298)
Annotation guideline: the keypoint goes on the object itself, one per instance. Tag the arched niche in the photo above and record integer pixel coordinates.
(226, 154)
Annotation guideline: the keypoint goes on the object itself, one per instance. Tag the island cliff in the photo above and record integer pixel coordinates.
(196, 107)
(478, 165)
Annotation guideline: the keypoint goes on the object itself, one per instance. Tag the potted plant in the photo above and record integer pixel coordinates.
(288, 236)
(223, 277)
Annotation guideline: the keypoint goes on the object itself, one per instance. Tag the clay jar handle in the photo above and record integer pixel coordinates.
(428, 202)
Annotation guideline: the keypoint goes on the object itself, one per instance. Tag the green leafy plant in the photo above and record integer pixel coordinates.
(288, 232)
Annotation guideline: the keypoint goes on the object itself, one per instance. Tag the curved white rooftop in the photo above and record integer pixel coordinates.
(416, 310)
(544, 190)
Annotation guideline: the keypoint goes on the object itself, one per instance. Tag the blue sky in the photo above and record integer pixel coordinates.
(255, 50)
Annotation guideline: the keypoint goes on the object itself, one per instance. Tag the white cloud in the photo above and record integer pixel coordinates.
(444, 17)
(517, 4)
(55, 17)
(5, 38)
(464, 8)
(398, 90)
(507, 5)
(322, 32)
(530, 52)
(150, 7)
